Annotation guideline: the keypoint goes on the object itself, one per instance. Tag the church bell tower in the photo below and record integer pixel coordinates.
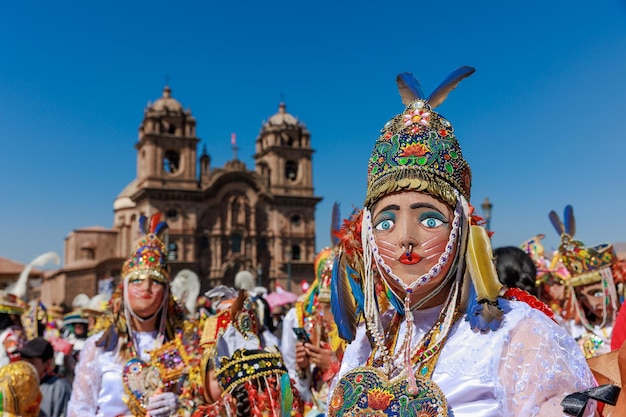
(166, 150)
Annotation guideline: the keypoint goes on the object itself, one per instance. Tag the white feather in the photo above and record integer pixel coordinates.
(80, 301)
(186, 288)
(19, 288)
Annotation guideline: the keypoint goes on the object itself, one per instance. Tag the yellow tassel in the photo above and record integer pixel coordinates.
(481, 266)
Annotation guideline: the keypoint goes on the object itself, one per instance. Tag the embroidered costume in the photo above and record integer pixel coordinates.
(471, 351)
(12, 336)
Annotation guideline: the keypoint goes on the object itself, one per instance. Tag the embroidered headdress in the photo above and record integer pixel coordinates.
(417, 149)
(586, 265)
(150, 253)
(11, 303)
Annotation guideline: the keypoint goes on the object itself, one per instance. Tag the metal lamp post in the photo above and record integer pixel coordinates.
(487, 207)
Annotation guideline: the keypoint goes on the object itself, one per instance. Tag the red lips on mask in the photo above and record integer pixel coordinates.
(410, 259)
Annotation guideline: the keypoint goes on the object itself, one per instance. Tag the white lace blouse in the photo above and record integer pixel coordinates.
(98, 389)
(525, 368)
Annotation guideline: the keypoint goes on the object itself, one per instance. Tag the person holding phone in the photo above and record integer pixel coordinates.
(318, 356)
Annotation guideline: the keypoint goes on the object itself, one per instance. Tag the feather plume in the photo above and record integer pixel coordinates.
(160, 228)
(154, 221)
(286, 395)
(570, 222)
(335, 225)
(345, 290)
(20, 287)
(143, 222)
(350, 234)
(440, 93)
(484, 279)
(409, 88)
(556, 222)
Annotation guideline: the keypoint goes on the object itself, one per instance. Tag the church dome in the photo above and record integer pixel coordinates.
(166, 102)
(282, 117)
(124, 200)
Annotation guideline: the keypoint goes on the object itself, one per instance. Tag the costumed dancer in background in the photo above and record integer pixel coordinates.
(75, 325)
(436, 337)
(319, 353)
(137, 366)
(310, 343)
(549, 283)
(13, 332)
(12, 336)
(591, 289)
(35, 320)
(241, 377)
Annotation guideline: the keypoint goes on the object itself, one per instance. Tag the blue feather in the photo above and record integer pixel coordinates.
(448, 84)
(479, 315)
(409, 88)
(286, 394)
(342, 301)
(568, 219)
(143, 222)
(556, 222)
(160, 227)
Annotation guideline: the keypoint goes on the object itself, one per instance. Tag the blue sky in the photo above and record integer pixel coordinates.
(542, 121)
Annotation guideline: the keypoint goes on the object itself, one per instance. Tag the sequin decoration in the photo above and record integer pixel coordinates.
(141, 380)
(150, 254)
(245, 365)
(418, 143)
(366, 391)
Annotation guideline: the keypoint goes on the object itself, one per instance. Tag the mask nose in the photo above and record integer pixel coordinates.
(408, 245)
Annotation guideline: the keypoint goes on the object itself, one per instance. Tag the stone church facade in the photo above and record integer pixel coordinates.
(221, 220)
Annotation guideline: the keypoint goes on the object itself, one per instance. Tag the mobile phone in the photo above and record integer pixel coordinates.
(302, 335)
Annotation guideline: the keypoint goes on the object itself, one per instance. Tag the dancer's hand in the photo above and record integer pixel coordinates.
(162, 405)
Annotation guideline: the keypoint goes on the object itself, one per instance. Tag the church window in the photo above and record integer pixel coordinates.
(89, 253)
(236, 243)
(172, 213)
(171, 129)
(295, 219)
(171, 162)
(295, 253)
(291, 170)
